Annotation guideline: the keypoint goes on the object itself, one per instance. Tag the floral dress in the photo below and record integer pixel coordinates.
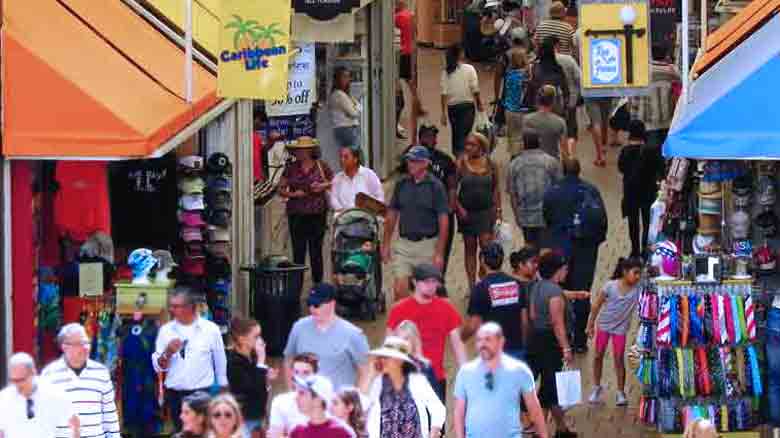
(399, 417)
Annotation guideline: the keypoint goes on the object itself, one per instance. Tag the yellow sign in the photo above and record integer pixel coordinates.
(614, 48)
(254, 44)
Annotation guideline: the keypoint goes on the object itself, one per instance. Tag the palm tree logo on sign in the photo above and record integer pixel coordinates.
(253, 43)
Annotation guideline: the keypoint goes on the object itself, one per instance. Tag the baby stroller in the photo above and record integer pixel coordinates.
(357, 266)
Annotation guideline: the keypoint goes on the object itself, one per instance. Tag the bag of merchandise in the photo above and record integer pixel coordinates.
(568, 383)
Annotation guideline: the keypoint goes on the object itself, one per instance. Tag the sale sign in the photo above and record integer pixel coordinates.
(301, 85)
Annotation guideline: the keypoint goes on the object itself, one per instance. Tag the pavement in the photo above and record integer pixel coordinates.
(588, 421)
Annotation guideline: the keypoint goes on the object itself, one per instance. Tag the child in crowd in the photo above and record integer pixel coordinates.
(514, 81)
(348, 408)
(618, 300)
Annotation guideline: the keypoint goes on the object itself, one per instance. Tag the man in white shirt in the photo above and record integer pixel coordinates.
(353, 179)
(87, 384)
(190, 350)
(285, 414)
(33, 408)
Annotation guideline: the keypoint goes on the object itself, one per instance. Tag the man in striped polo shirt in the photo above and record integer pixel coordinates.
(556, 27)
(87, 383)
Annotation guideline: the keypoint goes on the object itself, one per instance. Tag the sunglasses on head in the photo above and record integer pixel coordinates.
(220, 414)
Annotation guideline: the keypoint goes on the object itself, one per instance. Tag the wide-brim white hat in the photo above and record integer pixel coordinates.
(396, 348)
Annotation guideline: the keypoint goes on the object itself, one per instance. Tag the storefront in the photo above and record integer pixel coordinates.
(708, 344)
(106, 158)
(439, 22)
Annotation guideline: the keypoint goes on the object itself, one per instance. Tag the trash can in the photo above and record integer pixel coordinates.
(276, 299)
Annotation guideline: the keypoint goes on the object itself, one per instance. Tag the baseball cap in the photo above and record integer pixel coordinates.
(493, 250)
(193, 266)
(217, 267)
(418, 153)
(191, 234)
(220, 184)
(219, 234)
(320, 386)
(218, 163)
(219, 201)
(194, 250)
(424, 271)
(191, 163)
(219, 217)
(321, 293)
(191, 218)
(220, 286)
(191, 185)
(550, 263)
(192, 202)
(522, 255)
(219, 249)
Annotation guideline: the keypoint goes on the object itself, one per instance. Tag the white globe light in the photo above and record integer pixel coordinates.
(627, 15)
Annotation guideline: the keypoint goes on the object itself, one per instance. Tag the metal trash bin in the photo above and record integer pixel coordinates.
(275, 299)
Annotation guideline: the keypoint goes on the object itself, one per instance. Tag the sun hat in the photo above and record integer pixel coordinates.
(418, 153)
(424, 271)
(192, 202)
(218, 163)
(708, 224)
(191, 234)
(318, 385)
(191, 185)
(191, 218)
(191, 163)
(739, 224)
(321, 293)
(557, 10)
(219, 234)
(303, 142)
(396, 348)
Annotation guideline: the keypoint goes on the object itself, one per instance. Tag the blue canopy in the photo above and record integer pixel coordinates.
(734, 107)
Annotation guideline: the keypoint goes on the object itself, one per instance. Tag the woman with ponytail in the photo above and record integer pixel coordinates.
(459, 93)
(618, 299)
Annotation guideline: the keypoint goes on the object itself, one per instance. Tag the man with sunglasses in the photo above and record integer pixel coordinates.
(33, 408)
(285, 414)
(86, 382)
(489, 391)
(190, 350)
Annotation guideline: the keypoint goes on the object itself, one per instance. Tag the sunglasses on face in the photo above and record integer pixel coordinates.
(489, 381)
(219, 414)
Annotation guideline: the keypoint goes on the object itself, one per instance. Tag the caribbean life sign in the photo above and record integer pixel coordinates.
(254, 46)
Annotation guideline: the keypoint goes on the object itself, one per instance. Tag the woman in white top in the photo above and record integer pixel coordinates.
(459, 93)
(400, 401)
(344, 110)
(353, 179)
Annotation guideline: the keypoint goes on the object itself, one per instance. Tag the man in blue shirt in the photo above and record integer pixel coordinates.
(488, 391)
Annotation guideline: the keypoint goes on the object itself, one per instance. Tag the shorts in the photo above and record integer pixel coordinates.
(571, 122)
(599, 109)
(407, 254)
(618, 343)
(405, 67)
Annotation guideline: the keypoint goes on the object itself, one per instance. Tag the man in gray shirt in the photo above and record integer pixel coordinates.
(341, 346)
(550, 126)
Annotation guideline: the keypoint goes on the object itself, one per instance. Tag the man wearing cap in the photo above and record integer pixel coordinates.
(499, 298)
(314, 396)
(341, 346)
(528, 177)
(436, 318)
(495, 383)
(285, 414)
(556, 27)
(419, 206)
(190, 350)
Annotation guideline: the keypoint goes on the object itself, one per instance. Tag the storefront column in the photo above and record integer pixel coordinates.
(5, 260)
(243, 205)
(385, 79)
(22, 256)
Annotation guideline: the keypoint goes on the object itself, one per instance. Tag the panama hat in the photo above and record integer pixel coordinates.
(396, 348)
(303, 142)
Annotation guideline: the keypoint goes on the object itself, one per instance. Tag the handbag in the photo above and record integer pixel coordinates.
(503, 232)
(568, 384)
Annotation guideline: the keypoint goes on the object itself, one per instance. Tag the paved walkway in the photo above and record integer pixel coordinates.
(588, 421)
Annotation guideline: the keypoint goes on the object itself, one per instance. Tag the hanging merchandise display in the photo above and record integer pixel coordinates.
(704, 347)
(219, 188)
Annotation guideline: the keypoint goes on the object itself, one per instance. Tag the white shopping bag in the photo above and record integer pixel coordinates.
(569, 386)
(504, 235)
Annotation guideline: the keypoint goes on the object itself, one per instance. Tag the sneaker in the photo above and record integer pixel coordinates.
(595, 395)
(620, 399)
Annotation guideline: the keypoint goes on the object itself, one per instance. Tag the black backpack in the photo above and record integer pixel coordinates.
(592, 215)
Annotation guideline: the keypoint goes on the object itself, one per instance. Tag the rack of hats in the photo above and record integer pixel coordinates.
(204, 218)
(702, 339)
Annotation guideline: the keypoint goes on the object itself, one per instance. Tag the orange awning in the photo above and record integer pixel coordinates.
(85, 78)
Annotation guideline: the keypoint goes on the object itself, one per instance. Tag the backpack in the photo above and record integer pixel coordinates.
(592, 215)
(540, 79)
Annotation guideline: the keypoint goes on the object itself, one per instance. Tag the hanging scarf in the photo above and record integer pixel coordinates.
(681, 374)
(663, 333)
(739, 353)
(690, 373)
(716, 370)
(716, 306)
(724, 418)
(749, 321)
(735, 320)
(729, 315)
(685, 320)
(724, 334)
(697, 335)
(705, 387)
(706, 318)
(755, 372)
(728, 369)
(743, 335)
(674, 318)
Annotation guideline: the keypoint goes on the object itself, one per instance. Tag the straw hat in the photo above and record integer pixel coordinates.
(395, 348)
(303, 142)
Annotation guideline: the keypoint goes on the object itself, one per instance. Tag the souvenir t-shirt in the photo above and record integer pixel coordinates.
(435, 320)
(81, 200)
(136, 186)
(500, 298)
(329, 429)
